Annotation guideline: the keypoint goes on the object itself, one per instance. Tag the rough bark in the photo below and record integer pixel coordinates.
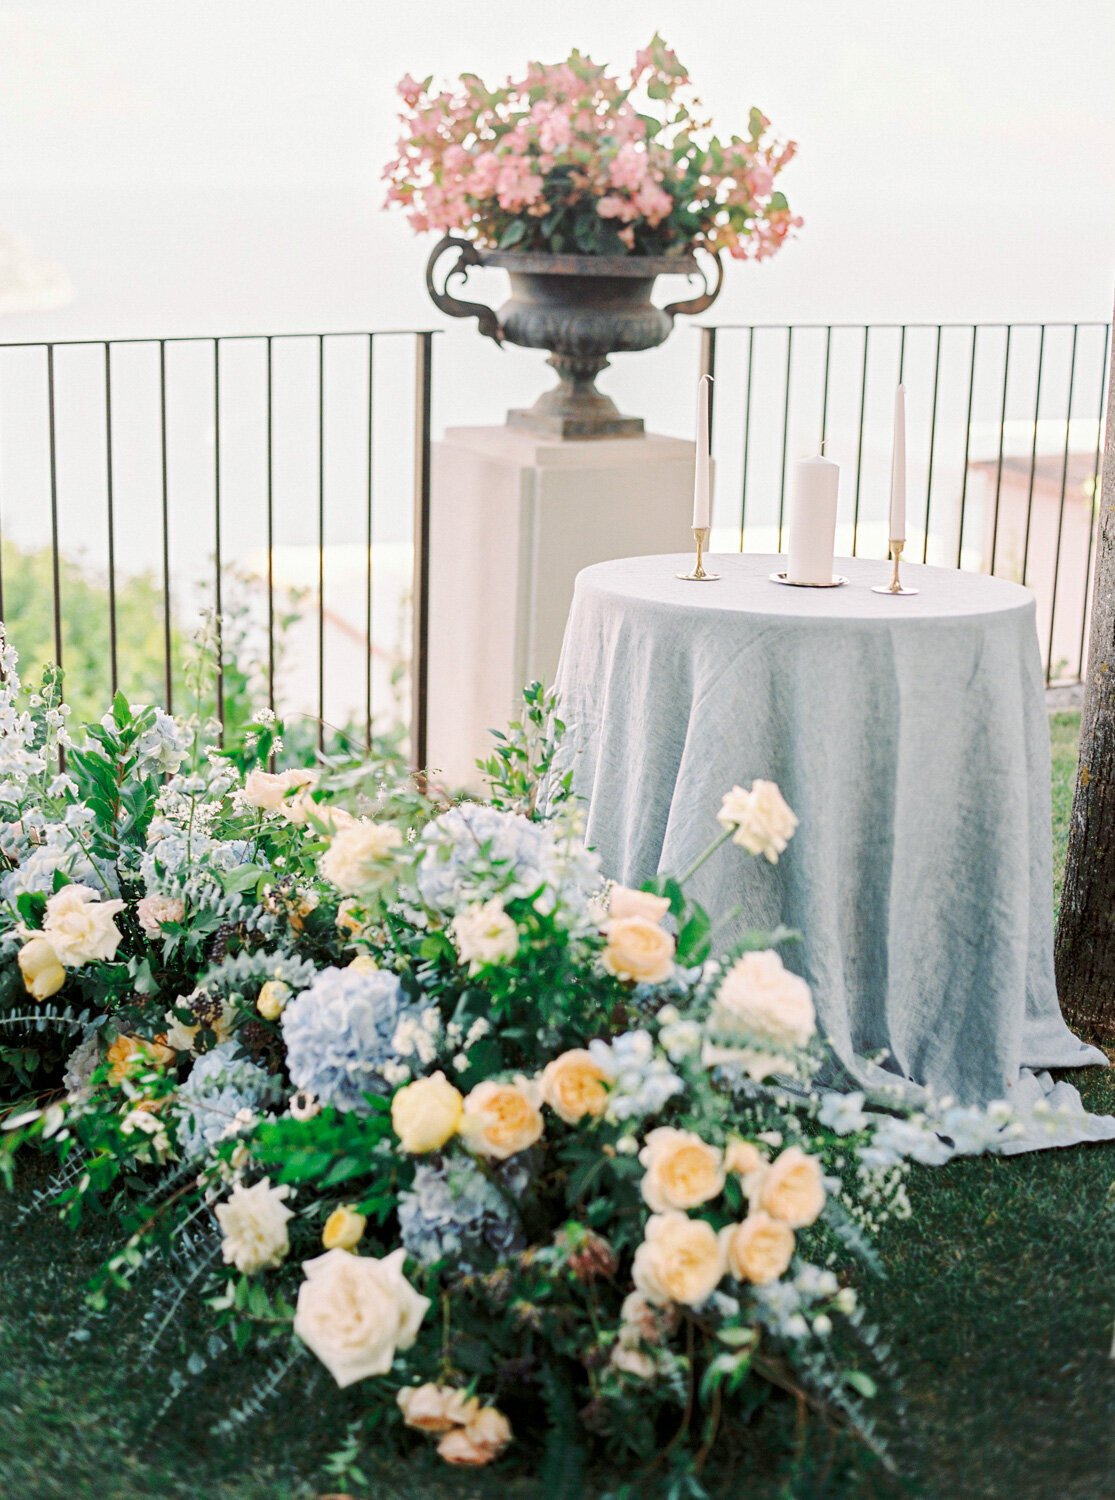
(1086, 929)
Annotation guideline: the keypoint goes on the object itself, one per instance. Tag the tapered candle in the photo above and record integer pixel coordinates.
(812, 520)
(898, 469)
(702, 501)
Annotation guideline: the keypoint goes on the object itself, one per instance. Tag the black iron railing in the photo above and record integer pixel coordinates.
(201, 432)
(1004, 444)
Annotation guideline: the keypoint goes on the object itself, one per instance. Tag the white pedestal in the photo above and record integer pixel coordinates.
(514, 518)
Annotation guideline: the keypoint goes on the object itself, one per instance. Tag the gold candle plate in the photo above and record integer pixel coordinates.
(793, 583)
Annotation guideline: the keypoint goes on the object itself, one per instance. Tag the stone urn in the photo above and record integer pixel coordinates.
(581, 308)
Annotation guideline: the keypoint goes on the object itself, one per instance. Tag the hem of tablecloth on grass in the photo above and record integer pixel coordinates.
(1051, 1114)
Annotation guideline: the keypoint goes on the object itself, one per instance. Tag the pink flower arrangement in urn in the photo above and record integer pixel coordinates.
(571, 160)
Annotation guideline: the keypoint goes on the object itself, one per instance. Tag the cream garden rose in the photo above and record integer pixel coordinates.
(269, 790)
(359, 858)
(763, 822)
(638, 949)
(793, 1188)
(344, 1229)
(759, 1250)
(682, 1170)
(679, 1260)
(501, 1119)
(436, 1408)
(152, 911)
(43, 974)
(484, 934)
(354, 1313)
(759, 1000)
(574, 1085)
(80, 927)
(253, 1222)
(481, 1440)
(426, 1114)
(623, 902)
(743, 1157)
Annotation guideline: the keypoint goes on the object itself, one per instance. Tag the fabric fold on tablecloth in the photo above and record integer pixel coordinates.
(911, 741)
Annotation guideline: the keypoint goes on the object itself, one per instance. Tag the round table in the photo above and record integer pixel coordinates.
(910, 736)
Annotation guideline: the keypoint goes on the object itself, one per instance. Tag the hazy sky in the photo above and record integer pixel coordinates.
(210, 164)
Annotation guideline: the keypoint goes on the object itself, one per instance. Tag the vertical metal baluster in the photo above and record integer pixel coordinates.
(368, 538)
(746, 434)
(56, 571)
(321, 541)
(902, 354)
(859, 442)
(424, 354)
(1095, 504)
(825, 396)
(168, 670)
(1061, 511)
(999, 467)
(785, 433)
(111, 525)
(708, 367)
(217, 597)
(932, 446)
(270, 529)
(1033, 458)
(967, 445)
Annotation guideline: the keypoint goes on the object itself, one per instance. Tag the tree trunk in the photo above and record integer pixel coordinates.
(1086, 930)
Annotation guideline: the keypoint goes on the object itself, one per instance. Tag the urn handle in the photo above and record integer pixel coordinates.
(487, 320)
(708, 296)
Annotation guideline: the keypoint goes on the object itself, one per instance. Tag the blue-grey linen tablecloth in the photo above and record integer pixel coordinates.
(910, 737)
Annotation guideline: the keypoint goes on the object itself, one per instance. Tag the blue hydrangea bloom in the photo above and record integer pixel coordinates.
(453, 1212)
(35, 874)
(472, 852)
(219, 1085)
(339, 1032)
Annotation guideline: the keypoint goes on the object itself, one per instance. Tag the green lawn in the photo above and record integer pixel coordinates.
(1000, 1294)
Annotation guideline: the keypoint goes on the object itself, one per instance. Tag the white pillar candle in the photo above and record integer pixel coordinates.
(813, 520)
(702, 500)
(898, 469)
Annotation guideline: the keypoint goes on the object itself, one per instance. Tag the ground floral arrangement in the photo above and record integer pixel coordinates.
(571, 159)
(405, 1086)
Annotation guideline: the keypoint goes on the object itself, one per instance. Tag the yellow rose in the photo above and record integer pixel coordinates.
(364, 963)
(638, 949)
(573, 1085)
(680, 1260)
(758, 1250)
(134, 1054)
(682, 1170)
(502, 1118)
(624, 902)
(427, 1113)
(344, 1228)
(793, 1189)
(43, 975)
(272, 998)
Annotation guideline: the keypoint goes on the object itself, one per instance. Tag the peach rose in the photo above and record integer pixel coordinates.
(436, 1408)
(134, 1054)
(482, 1440)
(501, 1119)
(743, 1157)
(793, 1189)
(152, 911)
(759, 1250)
(624, 902)
(574, 1086)
(680, 1260)
(682, 1170)
(638, 949)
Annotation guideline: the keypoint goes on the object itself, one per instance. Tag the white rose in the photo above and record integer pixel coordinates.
(484, 934)
(358, 858)
(154, 910)
(761, 1001)
(354, 1313)
(763, 823)
(253, 1221)
(79, 927)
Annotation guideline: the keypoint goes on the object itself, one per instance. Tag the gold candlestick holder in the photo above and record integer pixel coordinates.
(699, 575)
(895, 586)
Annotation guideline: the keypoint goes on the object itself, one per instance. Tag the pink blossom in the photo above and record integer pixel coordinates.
(410, 90)
(629, 168)
(653, 202)
(760, 180)
(518, 185)
(613, 207)
(627, 235)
